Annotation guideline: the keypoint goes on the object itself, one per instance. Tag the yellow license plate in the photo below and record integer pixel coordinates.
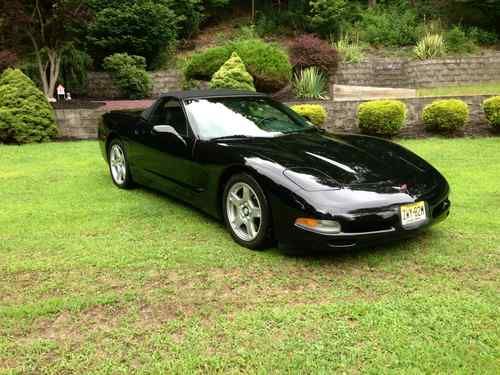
(413, 213)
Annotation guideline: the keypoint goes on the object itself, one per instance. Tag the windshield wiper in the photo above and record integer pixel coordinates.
(231, 136)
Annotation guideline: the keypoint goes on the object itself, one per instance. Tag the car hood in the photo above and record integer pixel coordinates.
(330, 161)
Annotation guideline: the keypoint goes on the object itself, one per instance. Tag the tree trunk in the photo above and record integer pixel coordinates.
(372, 3)
(54, 65)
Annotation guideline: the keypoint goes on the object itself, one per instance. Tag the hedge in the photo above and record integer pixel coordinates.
(445, 115)
(382, 117)
(266, 62)
(491, 108)
(315, 113)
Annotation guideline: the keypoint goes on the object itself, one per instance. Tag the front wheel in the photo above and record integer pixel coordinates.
(246, 211)
(118, 165)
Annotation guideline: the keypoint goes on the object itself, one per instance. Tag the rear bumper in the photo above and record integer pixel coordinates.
(306, 241)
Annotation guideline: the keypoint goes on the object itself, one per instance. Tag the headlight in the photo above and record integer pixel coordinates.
(319, 226)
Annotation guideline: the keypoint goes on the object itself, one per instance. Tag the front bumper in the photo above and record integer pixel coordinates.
(355, 237)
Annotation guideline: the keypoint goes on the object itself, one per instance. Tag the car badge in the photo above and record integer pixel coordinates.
(402, 189)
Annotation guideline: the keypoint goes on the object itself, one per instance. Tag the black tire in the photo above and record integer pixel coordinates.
(126, 182)
(263, 236)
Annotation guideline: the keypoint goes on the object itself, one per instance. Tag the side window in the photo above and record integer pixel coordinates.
(170, 112)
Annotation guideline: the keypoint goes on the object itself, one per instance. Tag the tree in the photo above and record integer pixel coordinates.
(233, 75)
(47, 25)
(144, 28)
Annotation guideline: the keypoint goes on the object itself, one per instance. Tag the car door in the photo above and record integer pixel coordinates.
(164, 149)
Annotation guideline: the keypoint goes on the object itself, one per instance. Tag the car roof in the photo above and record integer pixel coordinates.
(193, 94)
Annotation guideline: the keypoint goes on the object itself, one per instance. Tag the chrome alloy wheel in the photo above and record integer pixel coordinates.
(243, 211)
(118, 164)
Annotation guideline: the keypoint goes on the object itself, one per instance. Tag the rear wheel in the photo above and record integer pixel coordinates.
(118, 165)
(246, 211)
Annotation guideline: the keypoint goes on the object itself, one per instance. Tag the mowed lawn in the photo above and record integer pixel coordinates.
(94, 279)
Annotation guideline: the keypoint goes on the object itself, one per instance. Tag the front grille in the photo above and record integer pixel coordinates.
(369, 223)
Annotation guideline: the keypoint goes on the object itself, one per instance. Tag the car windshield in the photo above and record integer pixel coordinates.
(242, 117)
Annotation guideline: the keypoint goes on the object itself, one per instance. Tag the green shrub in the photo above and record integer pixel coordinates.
(430, 46)
(189, 14)
(389, 26)
(310, 83)
(481, 36)
(315, 113)
(232, 75)
(445, 115)
(144, 28)
(349, 48)
(457, 41)
(326, 15)
(382, 117)
(129, 74)
(266, 62)
(25, 114)
(491, 108)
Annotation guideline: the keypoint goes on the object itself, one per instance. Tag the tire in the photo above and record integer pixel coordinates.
(246, 212)
(118, 165)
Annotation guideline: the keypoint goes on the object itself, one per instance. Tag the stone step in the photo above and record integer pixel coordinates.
(345, 92)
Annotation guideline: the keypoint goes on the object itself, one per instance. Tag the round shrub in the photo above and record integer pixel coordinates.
(491, 108)
(25, 114)
(445, 115)
(315, 113)
(308, 50)
(382, 117)
(129, 74)
(266, 62)
(232, 75)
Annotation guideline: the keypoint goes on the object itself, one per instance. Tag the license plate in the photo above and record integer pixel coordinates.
(413, 213)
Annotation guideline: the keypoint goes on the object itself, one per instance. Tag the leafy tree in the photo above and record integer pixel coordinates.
(144, 28)
(233, 75)
(46, 25)
(326, 15)
(25, 114)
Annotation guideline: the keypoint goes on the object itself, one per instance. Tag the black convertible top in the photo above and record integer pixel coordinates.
(192, 94)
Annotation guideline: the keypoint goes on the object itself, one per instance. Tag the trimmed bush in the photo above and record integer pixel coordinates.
(445, 115)
(232, 75)
(308, 50)
(315, 113)
(266, 62)
(491, 108)
(129, 74)
(25, 114)
(382, 117)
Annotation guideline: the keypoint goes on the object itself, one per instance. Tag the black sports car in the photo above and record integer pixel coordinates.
(270, 174)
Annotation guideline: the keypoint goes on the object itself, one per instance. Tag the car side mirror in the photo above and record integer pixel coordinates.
(167, 129)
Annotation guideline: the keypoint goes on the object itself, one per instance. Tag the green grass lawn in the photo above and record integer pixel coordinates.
(94, 279)
(473, 89)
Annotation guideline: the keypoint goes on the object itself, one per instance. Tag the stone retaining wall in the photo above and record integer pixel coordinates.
(78, 123)
(405, 73)
(82, 123)
(101, 86)
(377, 72)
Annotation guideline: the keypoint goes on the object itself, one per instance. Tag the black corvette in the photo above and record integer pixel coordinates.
(270, 174)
